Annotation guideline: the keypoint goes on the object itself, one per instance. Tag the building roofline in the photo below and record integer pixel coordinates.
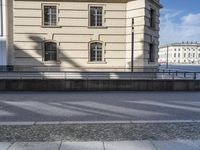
(181, 44)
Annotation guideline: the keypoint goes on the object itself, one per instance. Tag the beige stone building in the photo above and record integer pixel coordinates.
(84, 35)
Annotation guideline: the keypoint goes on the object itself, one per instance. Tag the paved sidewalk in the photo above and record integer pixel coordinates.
(118, 145)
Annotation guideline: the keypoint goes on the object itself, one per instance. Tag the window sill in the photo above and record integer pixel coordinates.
(51, 26)
(52, 62)
(152, 62)
(153, 28)
(97, 62)
(97, 27)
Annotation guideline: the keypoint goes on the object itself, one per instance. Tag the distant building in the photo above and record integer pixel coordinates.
(180, 53)
(3, 33)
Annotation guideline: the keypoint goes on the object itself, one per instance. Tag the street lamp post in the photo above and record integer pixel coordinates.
(132, 47)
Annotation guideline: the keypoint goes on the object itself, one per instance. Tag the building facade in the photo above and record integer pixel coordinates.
(84, 35)
(3, 32)
(180, 53)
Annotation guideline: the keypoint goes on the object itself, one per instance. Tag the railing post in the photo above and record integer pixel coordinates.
(87, 74)
(43, 75)
(131, 75)
(173, 75)
(65, 75)
(195, 76)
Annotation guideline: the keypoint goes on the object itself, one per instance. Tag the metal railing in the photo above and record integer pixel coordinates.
(161, 74)
(181, 74)
(9, 72)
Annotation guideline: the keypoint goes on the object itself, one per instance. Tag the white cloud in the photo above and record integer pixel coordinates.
(177, 28)
(191, 19)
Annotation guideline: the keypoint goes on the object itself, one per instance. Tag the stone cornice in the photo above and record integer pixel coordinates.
(99, 1)
(157, 3)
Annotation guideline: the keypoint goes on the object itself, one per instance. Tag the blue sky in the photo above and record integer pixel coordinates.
(180, 21)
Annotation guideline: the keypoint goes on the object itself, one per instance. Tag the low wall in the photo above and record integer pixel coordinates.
(99, 85)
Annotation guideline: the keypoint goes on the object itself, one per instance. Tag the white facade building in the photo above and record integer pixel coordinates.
(180, 53)
(3, 33)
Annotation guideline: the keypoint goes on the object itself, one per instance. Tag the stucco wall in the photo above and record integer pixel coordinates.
(74, 35)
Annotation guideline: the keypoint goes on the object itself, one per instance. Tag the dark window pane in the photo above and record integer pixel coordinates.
(50, 15)
(50, 51)
(96, 16)
(96, 52)
(151, 53)
(152, 18)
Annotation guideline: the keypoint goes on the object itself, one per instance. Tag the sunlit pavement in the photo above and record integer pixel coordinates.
(123, 145)
(98, 106)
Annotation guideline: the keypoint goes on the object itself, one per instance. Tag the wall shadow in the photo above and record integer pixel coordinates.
(41, 64)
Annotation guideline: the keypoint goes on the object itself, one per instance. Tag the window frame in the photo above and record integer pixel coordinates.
(152, 18)
(103, 16)
(103, 53)
(152, 47)
(43, 15)
(44, 50)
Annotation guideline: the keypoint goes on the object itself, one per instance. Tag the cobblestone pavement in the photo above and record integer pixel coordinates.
(119, 145)
(98, 106)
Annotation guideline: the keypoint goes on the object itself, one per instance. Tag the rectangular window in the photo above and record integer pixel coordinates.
(50, 53)
(151, 53)
(96, 16)
(49, 15)
(152, 18)
(95, 52)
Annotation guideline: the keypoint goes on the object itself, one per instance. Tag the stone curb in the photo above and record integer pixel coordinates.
(99, 122)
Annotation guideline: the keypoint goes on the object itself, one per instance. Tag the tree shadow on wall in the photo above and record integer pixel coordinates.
(31, 60)
(35, 58)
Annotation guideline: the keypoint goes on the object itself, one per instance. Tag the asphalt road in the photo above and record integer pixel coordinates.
(99, 106)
